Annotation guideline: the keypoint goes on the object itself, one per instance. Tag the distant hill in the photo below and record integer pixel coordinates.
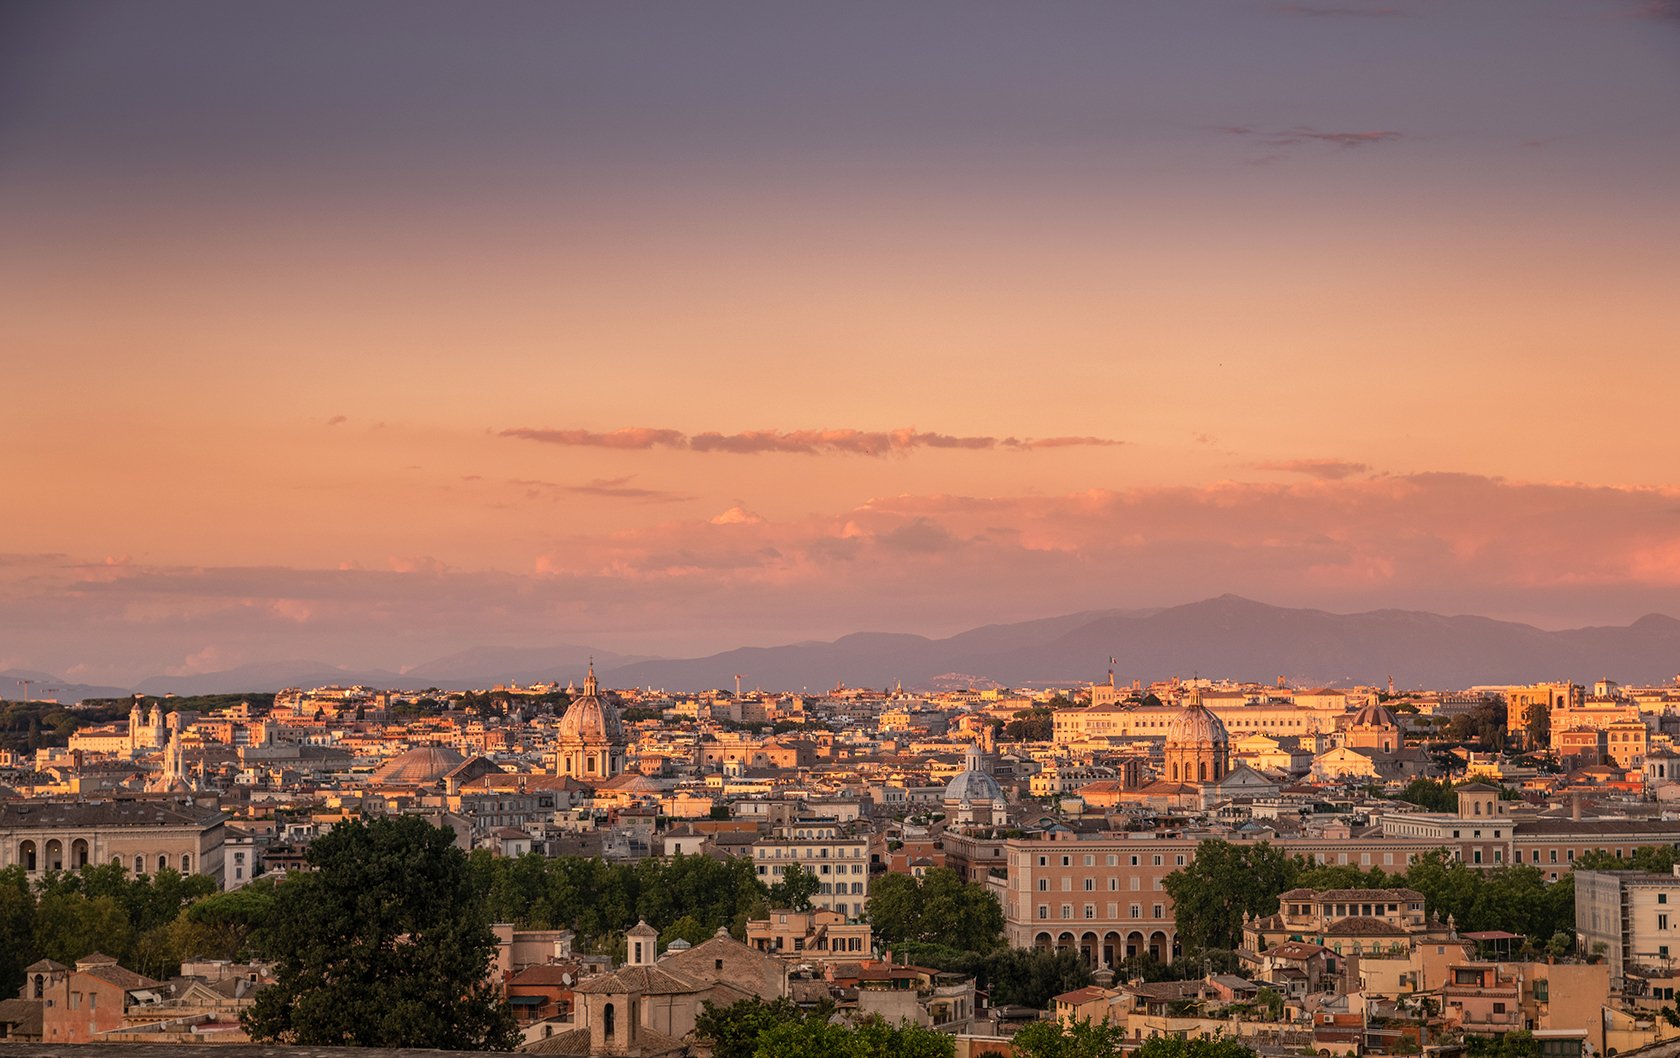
(44, 685)
(472, 669)
(1225, 637)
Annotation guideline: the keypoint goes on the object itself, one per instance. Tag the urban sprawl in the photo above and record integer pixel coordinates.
(1322, 871)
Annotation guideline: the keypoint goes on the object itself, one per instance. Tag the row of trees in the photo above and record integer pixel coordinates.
(938, 908)
(1225, 882)
(757, 1028)
(754, 1028)
(691, 896)
(149, 923)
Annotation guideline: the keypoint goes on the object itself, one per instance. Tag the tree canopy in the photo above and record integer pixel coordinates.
(795, 889)
(758, 1028)
(382, 944)
(937, 908)
(1225, 881)
(1221, 885)
(1078, 1039)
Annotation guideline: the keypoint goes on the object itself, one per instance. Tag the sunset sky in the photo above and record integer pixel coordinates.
(367, 333)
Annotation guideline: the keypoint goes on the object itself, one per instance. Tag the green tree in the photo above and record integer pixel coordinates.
(795, 889)
(1431, 795)
(383, 944)
(231, 922)
(686, 928)
(1029, 977)
(17, 929)
(869, 1038)
(733, 1031)
(1031, 725)
(1078, 1039)
(1201, 1047)
(1221, 885)
(1658, 858)
(937, 908)
(70, 925)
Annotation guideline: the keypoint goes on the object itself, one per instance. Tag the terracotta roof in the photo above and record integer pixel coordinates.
(648, 980)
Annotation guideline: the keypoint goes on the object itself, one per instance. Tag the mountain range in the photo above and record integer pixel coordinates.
(1226, 637)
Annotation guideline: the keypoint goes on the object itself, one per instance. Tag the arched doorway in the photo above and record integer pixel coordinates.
(55, 855)
(1042, 942)
(1088, 948)
(1134, 944)
(27, 856)
(79, 853)
(1111, 949)
(1158, 946)
(1064, 942)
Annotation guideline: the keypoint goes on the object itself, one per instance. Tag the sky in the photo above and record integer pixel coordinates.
(369, 332)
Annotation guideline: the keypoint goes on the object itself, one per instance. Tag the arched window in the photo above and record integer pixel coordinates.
(139, 865)
(607, 1020)
(186, 863)
(40, 986)
(163, 861)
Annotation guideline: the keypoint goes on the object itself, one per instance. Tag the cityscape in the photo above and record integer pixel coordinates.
(749, 530)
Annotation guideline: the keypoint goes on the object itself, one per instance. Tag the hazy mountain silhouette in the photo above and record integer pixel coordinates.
(1225, 637)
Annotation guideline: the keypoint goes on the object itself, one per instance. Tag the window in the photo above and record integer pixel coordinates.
(1090, 884)
(1067, 910)
(1043, 910)
(1159, 909)
(1090, 910)
(1044, 885)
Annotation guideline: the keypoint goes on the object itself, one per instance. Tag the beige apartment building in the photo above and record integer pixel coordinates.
(840, 863)
(818, 935)
(1631, 917)
(1117, 721)
(1107, 897)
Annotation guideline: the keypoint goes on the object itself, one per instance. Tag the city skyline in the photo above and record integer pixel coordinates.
(364, 335)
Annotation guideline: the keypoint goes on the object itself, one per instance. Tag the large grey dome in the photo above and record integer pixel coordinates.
(972, 784)
(1197, 724)
(418, 767)
(588, 719)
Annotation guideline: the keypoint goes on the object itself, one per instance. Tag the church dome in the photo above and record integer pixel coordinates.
(589, 719)
(1374, 715)
(421, 766)
(974, 785)
(1197, 724)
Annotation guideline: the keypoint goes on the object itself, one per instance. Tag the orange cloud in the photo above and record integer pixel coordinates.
(1561, 554)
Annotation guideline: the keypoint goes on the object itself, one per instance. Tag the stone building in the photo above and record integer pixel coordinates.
(144, 835)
